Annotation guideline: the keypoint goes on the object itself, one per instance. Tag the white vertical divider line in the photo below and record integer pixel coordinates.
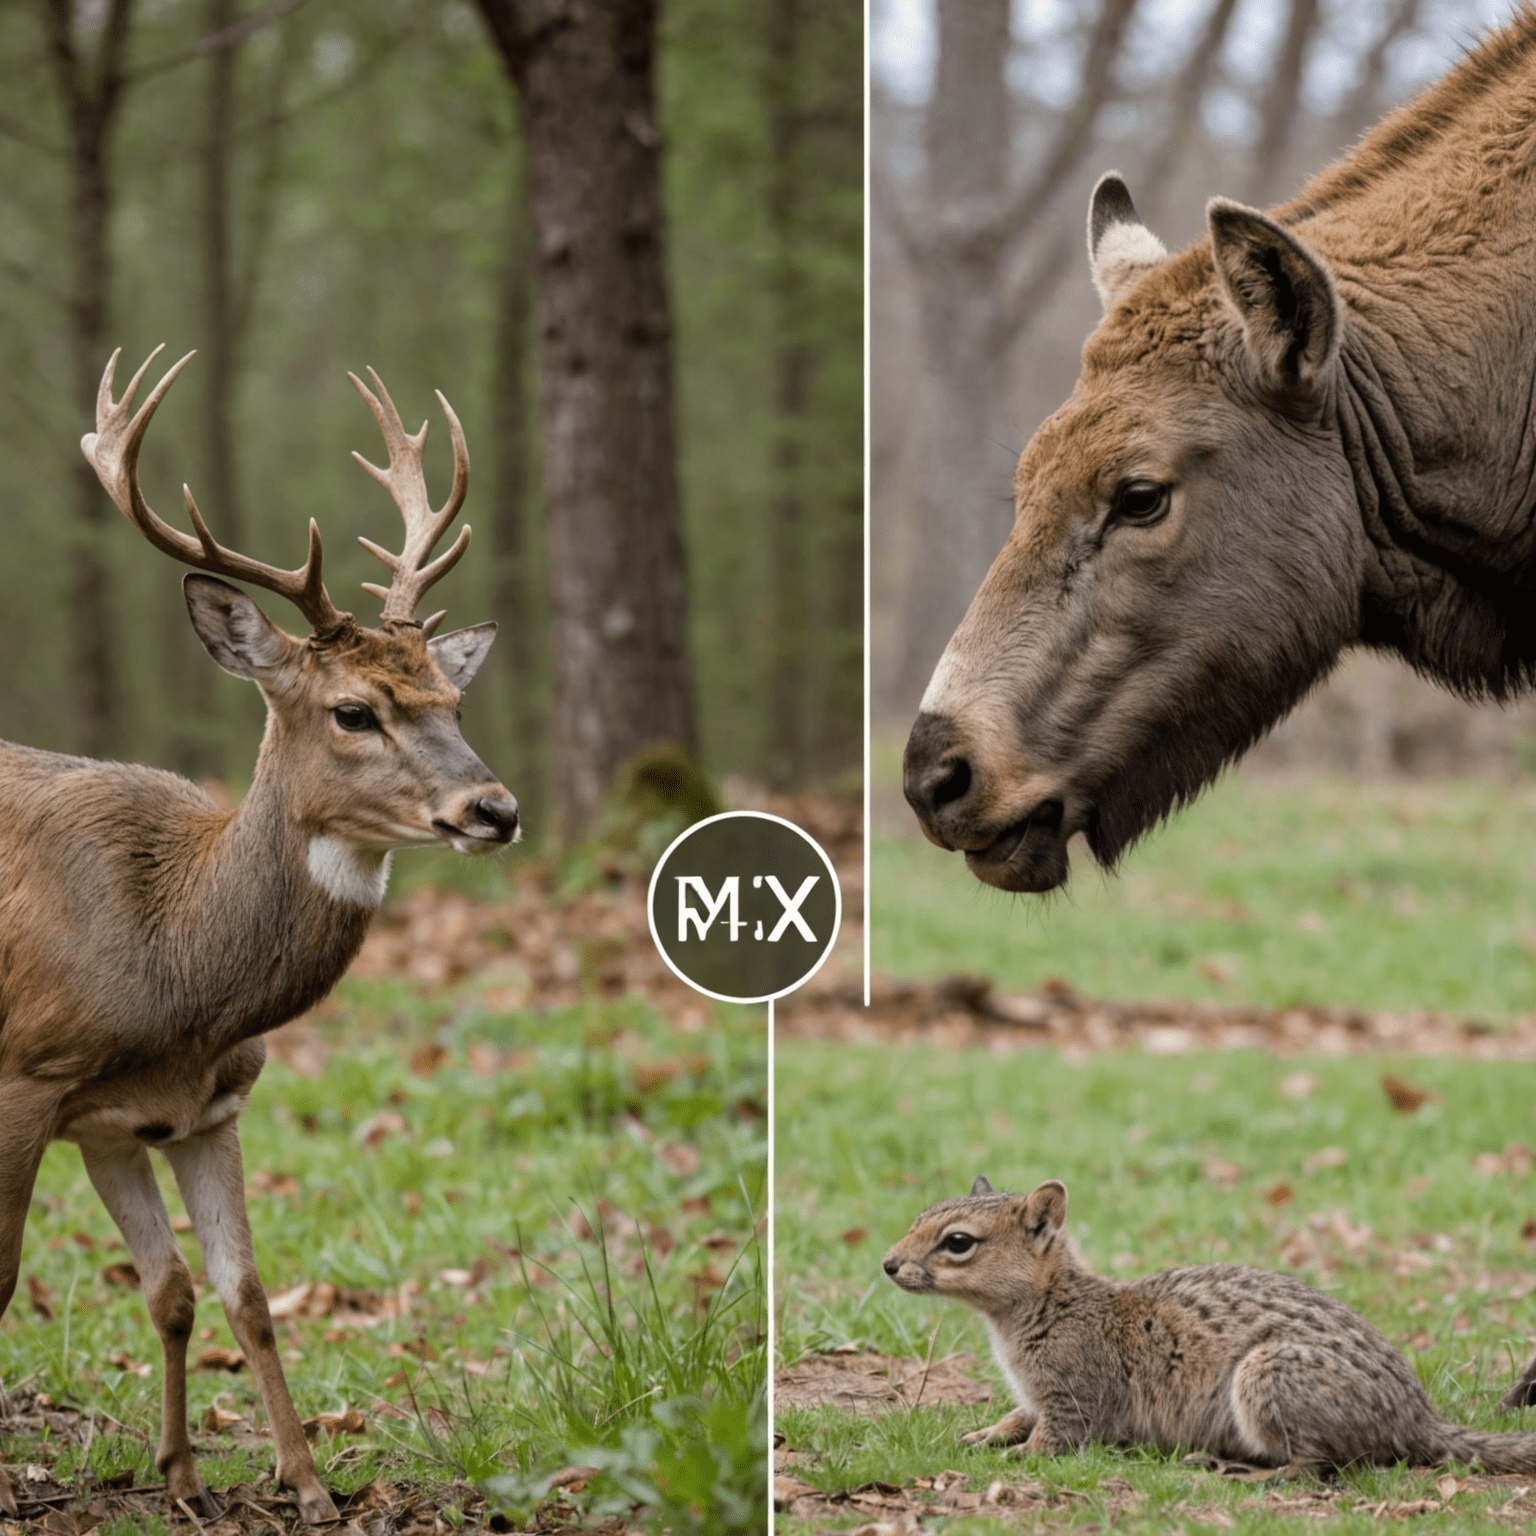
(771, 1329)
(868, 901)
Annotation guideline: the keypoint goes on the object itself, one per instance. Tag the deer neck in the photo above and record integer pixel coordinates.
(284, 907)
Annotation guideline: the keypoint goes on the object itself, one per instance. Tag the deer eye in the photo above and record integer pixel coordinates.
(354, 717)
(958, 1243)
(1140, 501)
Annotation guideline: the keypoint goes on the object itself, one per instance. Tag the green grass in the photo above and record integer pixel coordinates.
(567, 1208)
(879, 1135)
(1397, 895)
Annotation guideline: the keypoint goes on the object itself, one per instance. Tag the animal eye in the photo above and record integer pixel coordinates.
(958, 1242)
(1140, 501)
(354, 717)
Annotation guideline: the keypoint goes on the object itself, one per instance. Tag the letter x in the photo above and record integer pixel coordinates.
(791, 905)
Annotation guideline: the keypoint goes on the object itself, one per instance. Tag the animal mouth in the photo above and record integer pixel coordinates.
(1028, 855)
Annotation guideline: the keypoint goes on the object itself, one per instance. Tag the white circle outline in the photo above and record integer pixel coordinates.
(687, 832)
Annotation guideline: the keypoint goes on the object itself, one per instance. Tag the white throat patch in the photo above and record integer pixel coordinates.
(348, 873)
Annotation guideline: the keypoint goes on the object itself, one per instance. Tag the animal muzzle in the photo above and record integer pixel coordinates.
(481, 820)
(959, 808)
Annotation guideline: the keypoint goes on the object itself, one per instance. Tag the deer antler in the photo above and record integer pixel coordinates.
(113, 450)
(407, 485)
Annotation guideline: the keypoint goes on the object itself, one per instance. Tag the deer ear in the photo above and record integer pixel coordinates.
(1284, 295)
(1046, 1209)
(981, 1187)
(460, 653)
(234, 631)
(1120, 246)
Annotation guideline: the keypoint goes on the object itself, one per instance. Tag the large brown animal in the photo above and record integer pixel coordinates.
(1314, 428)
(148, 939)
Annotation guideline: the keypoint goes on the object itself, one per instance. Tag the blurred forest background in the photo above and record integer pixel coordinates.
(991, 122)
(301, 187)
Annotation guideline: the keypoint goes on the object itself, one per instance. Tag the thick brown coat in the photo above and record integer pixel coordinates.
(1312, 429)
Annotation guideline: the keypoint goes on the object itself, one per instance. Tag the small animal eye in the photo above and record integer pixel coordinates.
(958, 1243)
(1140, 501)
(354, 717)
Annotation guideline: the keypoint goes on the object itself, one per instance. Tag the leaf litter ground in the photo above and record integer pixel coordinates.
(507, 1188)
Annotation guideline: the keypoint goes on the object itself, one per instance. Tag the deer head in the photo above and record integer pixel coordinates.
(362, 727)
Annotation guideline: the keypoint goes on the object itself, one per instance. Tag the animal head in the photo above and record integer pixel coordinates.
(1183, 564)
(363, 721)
(987, 1249)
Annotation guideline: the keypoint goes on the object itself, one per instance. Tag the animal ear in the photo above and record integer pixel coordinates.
(1046, 1209)
(234, 631)
(1285, 297)
(460, 653)
(981, 1187)
(1120, 246)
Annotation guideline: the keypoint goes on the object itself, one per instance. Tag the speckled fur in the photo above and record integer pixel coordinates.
(1246, 1364)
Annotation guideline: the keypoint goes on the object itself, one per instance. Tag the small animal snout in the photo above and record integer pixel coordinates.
(936, 778)
(500, 815)
(891, 1265)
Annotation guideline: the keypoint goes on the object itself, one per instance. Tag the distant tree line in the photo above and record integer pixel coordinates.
(625, 241)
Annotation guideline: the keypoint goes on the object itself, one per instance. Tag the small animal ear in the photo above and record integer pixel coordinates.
(1292, 320)
(234, 631)
(1120, 246)
(460, 653)
(1046, 1209)
(981, 1187)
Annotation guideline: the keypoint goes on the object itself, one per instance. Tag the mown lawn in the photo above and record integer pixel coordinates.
(1236, 1157)
(542, 1234)
(1382, 895)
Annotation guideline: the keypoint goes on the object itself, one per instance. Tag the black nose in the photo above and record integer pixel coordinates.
(936, 777)
(891, 1266)
(499, 814)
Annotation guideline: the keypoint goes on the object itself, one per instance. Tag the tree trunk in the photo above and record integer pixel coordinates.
(963, 506)
(91, 89)
(516, 587)
(789, 642)
(584, 77)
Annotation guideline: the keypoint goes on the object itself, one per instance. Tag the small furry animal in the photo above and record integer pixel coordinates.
(1246, 1364)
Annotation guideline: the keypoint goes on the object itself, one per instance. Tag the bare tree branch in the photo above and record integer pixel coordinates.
(1075, 136)
(1188, 92)
(1365, 102)
(1282, 98)
(214, 42)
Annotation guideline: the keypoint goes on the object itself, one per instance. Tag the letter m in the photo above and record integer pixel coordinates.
(730, 893)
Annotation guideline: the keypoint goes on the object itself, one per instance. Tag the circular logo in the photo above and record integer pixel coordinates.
(745, 906)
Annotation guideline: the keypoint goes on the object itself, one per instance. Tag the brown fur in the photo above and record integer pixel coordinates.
(1246, 1364)
(1339, 403)
(149, 939)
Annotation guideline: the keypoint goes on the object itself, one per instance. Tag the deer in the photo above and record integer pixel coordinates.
(149, 939)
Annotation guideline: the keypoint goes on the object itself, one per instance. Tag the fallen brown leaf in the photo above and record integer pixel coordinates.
(679, 1158)
(218, 1419)
(427, 1058)
(1404, 1097)
(40, 1297)
(379, 1127)
(855, 1235)
(217, 1358)
(1447, 1487)
(1279, 1194)
(121, 1274)
(348, 1422)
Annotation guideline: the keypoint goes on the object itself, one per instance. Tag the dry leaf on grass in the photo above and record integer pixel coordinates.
(121, 1274)
(679, 1158)
(218, 1419)
(125, 1362)
(217, 1358)
(1279, 1194)
(427, 1058)
(1404, 1097)
(379, 1127)
(855, 1235)
(1447, 1487)
(348, 1422)
(40, 1297)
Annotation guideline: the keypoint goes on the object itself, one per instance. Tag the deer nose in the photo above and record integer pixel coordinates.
(935, 778)
(891, 1266)
(500, 815)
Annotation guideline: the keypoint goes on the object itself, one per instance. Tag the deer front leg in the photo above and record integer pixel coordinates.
(26, 1116)
(126, 1184)
(211, 1177)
